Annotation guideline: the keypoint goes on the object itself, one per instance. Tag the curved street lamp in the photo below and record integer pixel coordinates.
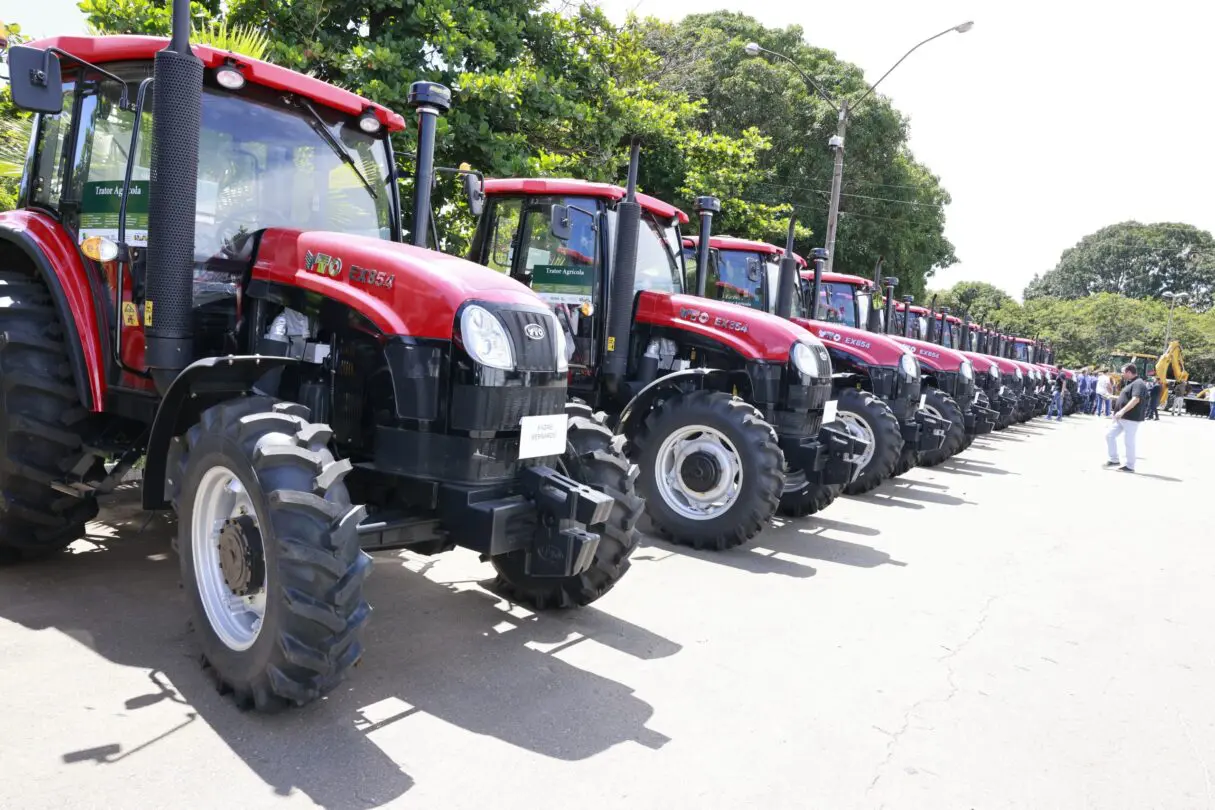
(842, 109)
(1173, 299)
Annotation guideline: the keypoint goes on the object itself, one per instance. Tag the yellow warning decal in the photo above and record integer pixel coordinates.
(130, 315)
(611, 344)
(147, 312)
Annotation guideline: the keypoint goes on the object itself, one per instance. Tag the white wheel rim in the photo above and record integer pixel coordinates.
(859, 429)
(236, 620)
(678, 448)
(931, 411)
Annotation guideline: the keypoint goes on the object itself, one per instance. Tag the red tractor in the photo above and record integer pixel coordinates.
(720, 406)
(876, 384)
(207, 272)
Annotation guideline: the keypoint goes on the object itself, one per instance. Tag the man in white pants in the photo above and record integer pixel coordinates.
(1128, 413)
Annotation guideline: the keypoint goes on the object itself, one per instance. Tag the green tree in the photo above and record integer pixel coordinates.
(1135, 260)
(978, 299)
(893, 207)
(14, 132)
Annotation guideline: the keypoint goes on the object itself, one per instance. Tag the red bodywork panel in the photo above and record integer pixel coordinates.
(562, 187)
(100, 50)
(66, 263)
(839, 278)
(983, 361)
(403, 290)
(767, 337)
(871, 348)
(933, 355)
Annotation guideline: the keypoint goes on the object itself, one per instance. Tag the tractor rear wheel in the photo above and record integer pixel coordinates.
(712, 472)
(868, 418)
(269, 551)
(943, 406)
(589, 459)
(41, 425)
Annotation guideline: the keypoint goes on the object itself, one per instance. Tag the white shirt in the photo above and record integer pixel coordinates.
(1103, 386)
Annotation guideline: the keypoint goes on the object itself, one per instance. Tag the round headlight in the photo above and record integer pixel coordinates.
(1018, 375)
(485, 340)
(805, 360)
(967, 370)
(994, 371)
(909, 366)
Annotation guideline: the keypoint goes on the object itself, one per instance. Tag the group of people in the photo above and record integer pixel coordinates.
(1095, 388)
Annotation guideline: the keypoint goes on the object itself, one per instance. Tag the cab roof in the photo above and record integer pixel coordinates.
(561, 187)
(735, 243)
(102, 49)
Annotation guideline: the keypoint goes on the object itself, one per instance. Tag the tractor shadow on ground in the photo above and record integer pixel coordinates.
(972, 467)
(910, 491)
(749, 557)
(810, 538)
(444, 649)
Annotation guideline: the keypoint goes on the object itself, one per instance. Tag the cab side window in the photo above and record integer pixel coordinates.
(54, 152)
(506, 215)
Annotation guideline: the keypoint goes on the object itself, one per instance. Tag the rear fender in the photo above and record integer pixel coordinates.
(692, 379)
(57, 261)
(200, 385)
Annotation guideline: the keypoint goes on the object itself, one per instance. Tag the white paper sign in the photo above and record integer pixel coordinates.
(830, 410)
(542, 436)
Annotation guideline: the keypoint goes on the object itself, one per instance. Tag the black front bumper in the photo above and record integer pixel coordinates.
(826, 458)
(550, 517)
(980, 420)
(926, 433)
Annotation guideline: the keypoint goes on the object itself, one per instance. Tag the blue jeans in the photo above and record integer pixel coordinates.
(1102, 407)
(1056, 405)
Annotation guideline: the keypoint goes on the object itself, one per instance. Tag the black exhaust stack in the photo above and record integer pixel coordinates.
(706, 207)
(624, 273)
(965, 341)
(907, 299)
(430, 100)
(931, 335)
(944, 326)
(172, 203)
(786, 288)
(890, 282)
(819, 256)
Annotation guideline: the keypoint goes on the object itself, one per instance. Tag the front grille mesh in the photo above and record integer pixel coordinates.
(531, 354)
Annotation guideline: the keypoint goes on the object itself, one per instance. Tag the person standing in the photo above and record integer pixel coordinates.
(1101, 405)
(1128, 413)
(1153, 402)
(1056, 398)
(1088, 384)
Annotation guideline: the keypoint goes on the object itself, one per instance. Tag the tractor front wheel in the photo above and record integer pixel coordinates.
(868, 418)
(943, 406)
(269, 551)
(712, 472)
(589, 458)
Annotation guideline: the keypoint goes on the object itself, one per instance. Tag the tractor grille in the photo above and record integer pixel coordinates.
(531, 354)
(480, 407)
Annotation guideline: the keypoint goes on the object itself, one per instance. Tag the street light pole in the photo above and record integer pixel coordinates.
(842, 109)
(1173, 297)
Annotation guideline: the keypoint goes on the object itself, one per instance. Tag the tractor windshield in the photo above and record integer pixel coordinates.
(1021, 352)
(836, 303)
(658, 252)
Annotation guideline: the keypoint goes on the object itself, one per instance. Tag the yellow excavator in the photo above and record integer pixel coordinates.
(1171, 360)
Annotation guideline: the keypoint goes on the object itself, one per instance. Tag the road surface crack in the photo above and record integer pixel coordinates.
(947, 660)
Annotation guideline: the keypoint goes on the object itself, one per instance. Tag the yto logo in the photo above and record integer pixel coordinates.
(829, 335)
(534, 331)
(322, 264)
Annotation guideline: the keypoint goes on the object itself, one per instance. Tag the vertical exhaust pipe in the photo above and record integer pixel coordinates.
(819, 256)
(430, 100)
(624, 273)
(965, 331)
(944, 330)
(907, 299)
(890, 282)
(787, 285)
(172, 204)
(931, 335)
(706, 207)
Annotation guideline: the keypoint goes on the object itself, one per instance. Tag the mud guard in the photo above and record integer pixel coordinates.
(695, 379)
(199, 385)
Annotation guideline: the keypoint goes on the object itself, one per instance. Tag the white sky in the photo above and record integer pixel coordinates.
(1045, 122)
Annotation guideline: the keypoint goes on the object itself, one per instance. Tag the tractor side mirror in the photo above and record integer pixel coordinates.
(35, 80)
(559, 222)
(474, 193)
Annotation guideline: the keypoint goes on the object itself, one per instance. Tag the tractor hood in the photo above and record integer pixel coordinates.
(870, 348)
(983, 362)
(754, 334)
(403, 290)
(933, 355)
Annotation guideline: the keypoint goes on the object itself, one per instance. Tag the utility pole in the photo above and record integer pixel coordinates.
(836, 145)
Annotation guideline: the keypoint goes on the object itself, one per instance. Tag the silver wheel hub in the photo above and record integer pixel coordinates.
(859, 429)
(229, 566)
(699, 472)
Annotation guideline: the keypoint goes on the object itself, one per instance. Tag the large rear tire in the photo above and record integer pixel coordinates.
(269, 551)
(868, 417)
(41, 426)
(941, 405)
(712, 472)
(590, 458)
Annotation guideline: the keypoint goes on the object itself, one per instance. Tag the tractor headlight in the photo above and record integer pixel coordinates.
(1018, 374)
(994, 371)
(485, 339)
(805, 360)
(563, 358)
(910, 367)
(967, 370)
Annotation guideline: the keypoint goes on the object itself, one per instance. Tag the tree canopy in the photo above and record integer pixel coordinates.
(978, 299)
(1135, 260)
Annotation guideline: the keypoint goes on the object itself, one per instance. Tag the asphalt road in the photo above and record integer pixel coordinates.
(1017, 628)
